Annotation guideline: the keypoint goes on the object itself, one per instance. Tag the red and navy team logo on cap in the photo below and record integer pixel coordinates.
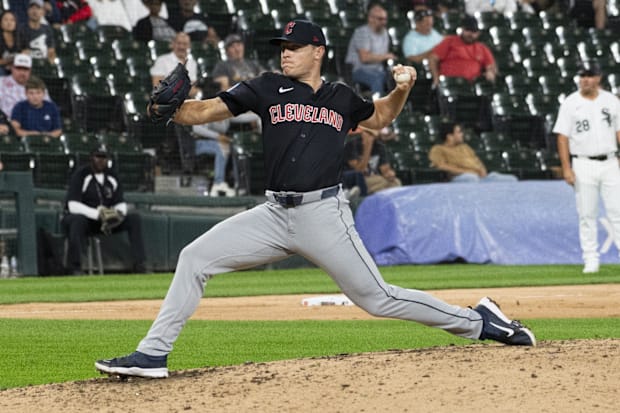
(289, 28)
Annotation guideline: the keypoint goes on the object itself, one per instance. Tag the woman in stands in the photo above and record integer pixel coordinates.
(8, 41)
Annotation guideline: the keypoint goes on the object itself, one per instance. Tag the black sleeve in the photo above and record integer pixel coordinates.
(361, 109)
(74, 191)
(243, 96)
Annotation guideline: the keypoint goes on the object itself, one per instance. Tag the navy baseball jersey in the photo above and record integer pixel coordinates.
(300, 127)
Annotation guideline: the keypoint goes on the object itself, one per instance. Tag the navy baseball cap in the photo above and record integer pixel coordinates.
(590, 68)
(470, 23)
(301, 32)
(99, 150)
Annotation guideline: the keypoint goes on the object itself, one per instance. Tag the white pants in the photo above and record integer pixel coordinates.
(594, 179)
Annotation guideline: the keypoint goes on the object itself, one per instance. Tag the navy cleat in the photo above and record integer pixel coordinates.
(496, 326)
(135, 364)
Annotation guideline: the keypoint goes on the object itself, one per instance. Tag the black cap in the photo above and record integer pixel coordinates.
(422, 13)
(301, 32)
(590, 68)
(100, 150)
(470, 23)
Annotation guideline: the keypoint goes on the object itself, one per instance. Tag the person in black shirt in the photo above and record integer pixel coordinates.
(92, 187)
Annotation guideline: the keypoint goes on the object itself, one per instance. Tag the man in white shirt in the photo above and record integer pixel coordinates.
(588, 129)
(180, 53)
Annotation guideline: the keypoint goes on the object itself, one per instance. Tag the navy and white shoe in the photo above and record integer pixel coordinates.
(498, 327)
(135, 364)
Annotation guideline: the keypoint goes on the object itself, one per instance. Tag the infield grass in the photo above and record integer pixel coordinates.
(294, 281)
(51, 351)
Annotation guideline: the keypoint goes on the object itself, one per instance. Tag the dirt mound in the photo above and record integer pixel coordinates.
(556, 376)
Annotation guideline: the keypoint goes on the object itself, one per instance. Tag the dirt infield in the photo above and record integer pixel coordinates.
(577, 376)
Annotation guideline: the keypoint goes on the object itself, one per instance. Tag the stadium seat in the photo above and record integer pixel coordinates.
(248, 6)
(107, 33)
(496, 141)
(80, 143)
(554, 85)
(511, 115)
(94, 106)
(527, 164)
(136, 170)
(568, 66)
(14, 155)
(495, 160)
(520, 20)
(541, 104)
(352, 18)
(43, 143)
(283, 10)
(536, 35)
(52, 170)
(518, 85)
(247, 152)
(488, 19)
(551, 20)
(451, 20)
(458, 102)
(119, 142)
(536, 67)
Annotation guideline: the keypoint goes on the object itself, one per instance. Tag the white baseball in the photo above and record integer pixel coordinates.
(402, 77)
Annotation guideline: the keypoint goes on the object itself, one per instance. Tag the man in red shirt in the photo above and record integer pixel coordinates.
(463, 55)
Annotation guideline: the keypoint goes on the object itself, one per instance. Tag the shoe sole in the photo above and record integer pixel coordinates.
(490, 305)
(156, 373)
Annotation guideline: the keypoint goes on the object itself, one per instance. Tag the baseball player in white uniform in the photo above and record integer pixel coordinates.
(588, 129)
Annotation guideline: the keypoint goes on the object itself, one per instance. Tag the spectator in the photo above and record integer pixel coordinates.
(9, 42)
(588, 133)
(459, 160)
(13, 87)
(164, 64)
(37, 36)
(212, 138)
(369, 51)
(35, 115)
(153, 26)
(366, 153)
(418, 43)
(5, 124)
(504, 7)
(588, 13)
(92, 187)
(73, 11)
(52, 14)
(182, 18)
(236, 67)
(463, 55)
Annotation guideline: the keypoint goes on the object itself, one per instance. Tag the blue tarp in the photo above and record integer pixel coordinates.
(527, 222)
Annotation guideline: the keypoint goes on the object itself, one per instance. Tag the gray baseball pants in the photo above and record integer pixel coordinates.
(324, 233)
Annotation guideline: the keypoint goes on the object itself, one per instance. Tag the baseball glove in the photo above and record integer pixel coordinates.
(110, 218)
(169, 94)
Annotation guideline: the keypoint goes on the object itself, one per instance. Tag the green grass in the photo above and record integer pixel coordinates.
(298, 281)
(46, 351)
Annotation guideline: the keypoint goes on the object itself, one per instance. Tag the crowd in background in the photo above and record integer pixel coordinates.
(28, 34)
